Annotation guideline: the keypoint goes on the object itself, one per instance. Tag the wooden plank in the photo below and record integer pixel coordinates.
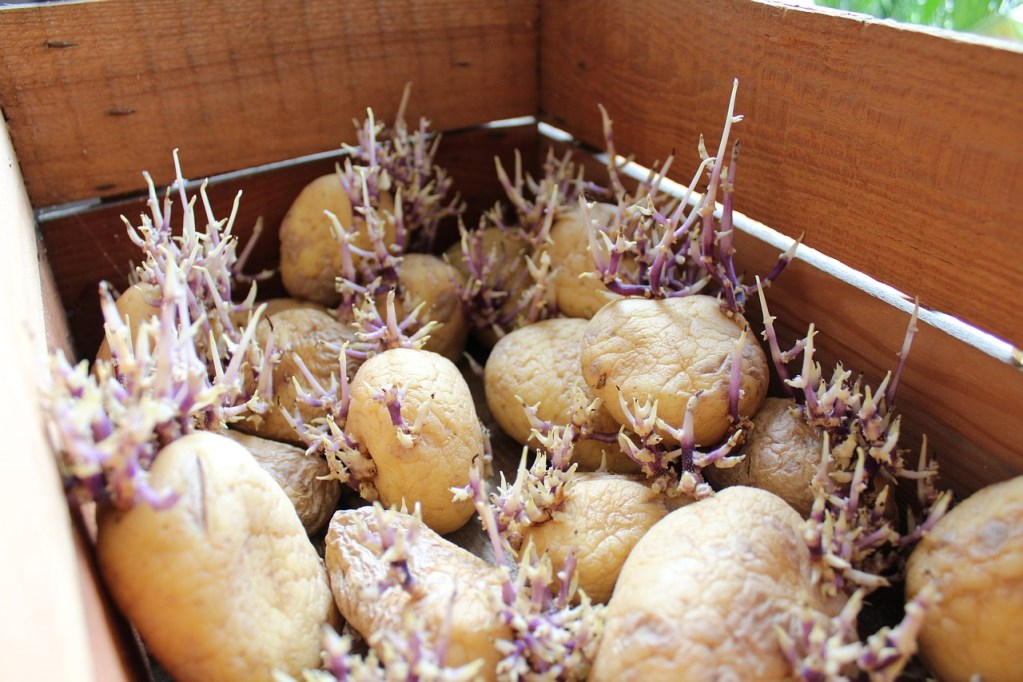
(88, 246)
(43, 620)
(93, 92)
(895, 150)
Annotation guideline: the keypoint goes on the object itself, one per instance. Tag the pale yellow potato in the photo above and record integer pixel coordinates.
(224, 585)
(134, 308)
(669, 350)
(440, 572)
(277, 305)
(571, 257)
(510, 257)
(310, 251)
(603, 518)
(310, 332)
(702, 592)
(433, 452)
(782, 455)
(974, 556)
(299, 474)
(540, 363)
(427, 278)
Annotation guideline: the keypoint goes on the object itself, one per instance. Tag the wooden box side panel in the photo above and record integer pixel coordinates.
(54, 620)
(96, 92)
(896, 151)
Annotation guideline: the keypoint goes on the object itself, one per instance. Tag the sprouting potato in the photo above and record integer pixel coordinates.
(446, 584)
(223, 585)
(974, 556)
(701, 594)
(540, 363)
(134, 307)
(277, 305)
(570, 257)
(299, 474)
(603, 517)
(314, 335)
(413, 412)
(782, 455)
(510, 253)
(427, 278)
(670, 350)
(311, 256)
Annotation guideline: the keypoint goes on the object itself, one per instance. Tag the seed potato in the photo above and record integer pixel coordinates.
(430, 451)
(701, 593)
(427, 278)
(974, 556)
(223, 585)
(310, 252)
(299, 474)
(669, 350)
(510, 254)
(603, 518)
(540, 363)
(571, 257)
(439, 572)
(314, 335)
(782, 455)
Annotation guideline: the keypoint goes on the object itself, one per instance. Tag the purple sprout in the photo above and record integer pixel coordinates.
(660, 248)
(853, 531)
(506, 288)
(822, 649)
(554, 637)
(109, 425)
(208, 260)
(387, 159)
(509, 283)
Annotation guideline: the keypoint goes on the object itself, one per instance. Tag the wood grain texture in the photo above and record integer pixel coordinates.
(896, 150)
(94, 92)
(85, 247)
(43, 619)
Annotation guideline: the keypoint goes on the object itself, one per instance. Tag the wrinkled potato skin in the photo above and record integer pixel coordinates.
(315, 499)
(701, 592)
(305, 331)
(134, 308)
(439, 569)
(571, 257)
(603, 518)
(782, 456)
(975, 557)
(540, 363)
(224, 585)
(440, 456)
(310, 253)
(670, 350)
(424, 277)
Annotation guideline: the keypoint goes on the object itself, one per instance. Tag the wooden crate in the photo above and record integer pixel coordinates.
(895, 151)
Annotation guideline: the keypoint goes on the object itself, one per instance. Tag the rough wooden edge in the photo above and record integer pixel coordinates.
(95, 91)
(43, 617)
(893, 149)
